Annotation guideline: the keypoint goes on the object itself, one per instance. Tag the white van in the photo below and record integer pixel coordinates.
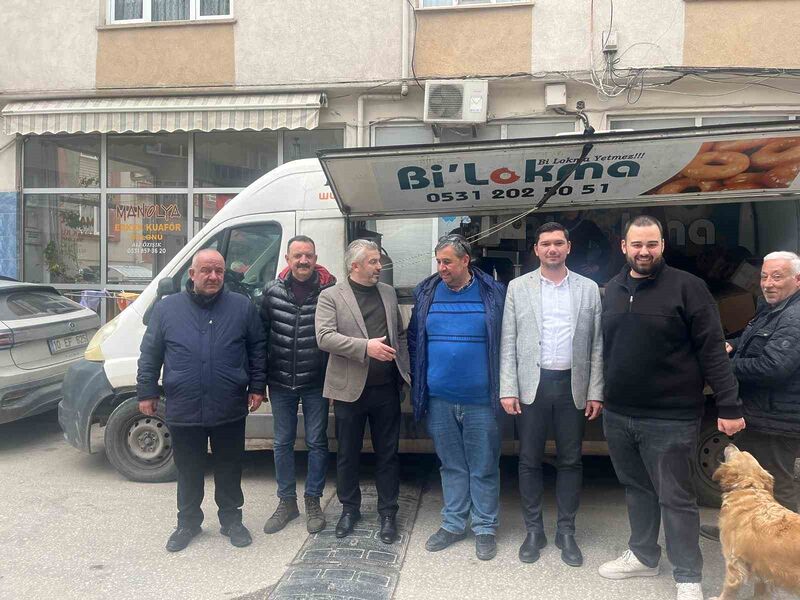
(727, 195)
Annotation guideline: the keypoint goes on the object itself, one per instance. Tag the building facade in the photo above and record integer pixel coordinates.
(127, 124)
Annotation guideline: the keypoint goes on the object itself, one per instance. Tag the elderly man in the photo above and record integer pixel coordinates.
(295, 367)
(551, 378)
(662, 340)
(766, 361)
(358, 323)
(454, 344)
(210, 343)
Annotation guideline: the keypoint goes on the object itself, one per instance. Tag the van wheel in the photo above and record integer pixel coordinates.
(709, 455)
(140, 447)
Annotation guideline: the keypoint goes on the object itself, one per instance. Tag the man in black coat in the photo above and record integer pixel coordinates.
(662, 340)
(211, 344)
(295, 368)
(766, 361)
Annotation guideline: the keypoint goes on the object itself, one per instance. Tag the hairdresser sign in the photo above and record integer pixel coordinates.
(602, 169)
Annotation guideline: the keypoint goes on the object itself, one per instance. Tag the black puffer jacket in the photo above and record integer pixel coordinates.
(294, 361)
(766, 361)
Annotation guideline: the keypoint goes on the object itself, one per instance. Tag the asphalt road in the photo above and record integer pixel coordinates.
(72, 528)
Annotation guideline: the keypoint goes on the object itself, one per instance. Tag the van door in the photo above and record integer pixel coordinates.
(252, 248)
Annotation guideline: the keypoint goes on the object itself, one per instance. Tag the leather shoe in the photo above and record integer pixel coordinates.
(181, 537)
(570, 553)
(388, 529)
(485, 546)
(443, 539)
(529, 550)
(240, 536)
(346, 523)
(710, 532)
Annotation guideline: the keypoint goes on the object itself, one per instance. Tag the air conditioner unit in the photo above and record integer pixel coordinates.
(456, 101)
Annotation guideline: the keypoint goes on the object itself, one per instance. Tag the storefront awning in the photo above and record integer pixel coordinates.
(154, 114)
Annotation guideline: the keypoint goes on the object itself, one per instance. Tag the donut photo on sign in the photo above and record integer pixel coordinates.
(735, 165)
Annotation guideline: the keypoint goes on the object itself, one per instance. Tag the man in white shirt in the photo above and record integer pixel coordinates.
(551, 377)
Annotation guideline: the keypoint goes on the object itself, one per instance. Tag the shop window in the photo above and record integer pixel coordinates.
(301, 143)
(734, 120)
(60, 243)
(464, 134)
(654, 123)
(167, 10)
(145, 231)
(206, 206)
(147, 161)
(233, 158)
(533, 129)
(444, 3)
(53, 161)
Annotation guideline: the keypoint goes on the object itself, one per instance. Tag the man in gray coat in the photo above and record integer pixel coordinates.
(358, 323)
(551, 377)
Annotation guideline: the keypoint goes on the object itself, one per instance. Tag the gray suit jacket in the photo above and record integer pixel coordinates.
(341, 331)
(520, 347)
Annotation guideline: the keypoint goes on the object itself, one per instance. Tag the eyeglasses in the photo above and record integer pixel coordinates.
(456, 240)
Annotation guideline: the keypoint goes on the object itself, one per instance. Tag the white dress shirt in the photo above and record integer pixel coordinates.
(556, 325)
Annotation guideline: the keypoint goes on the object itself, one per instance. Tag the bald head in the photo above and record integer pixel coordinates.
(207, 272)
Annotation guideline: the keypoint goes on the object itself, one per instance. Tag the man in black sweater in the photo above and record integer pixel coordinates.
(295, 367)
(662, 341)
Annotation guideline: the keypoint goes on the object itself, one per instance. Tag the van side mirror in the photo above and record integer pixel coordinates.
(166, 287)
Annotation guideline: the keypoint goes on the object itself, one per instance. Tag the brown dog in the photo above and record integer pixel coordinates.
(760, 538)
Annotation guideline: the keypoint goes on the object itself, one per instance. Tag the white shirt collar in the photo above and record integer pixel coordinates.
(549, 282)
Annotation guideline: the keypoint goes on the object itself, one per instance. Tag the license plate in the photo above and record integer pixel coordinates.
(68, 342)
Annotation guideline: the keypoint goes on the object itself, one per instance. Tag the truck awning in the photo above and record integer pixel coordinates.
(154, 114)
(721, 163)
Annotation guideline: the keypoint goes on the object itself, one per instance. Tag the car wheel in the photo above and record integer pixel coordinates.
(709, 455)
(140, 447)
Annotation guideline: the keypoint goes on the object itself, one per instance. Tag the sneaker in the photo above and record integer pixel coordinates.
(240, 536)
(626, 566)
(710, 532)
(689, 591)
(181, 538)
(286, 511)
(315, 519)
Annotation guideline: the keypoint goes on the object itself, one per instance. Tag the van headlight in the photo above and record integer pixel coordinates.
(93, 351)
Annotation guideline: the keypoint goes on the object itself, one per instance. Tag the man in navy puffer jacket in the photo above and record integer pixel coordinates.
(211, 344)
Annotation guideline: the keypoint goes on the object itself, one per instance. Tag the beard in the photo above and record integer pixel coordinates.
(644, 269)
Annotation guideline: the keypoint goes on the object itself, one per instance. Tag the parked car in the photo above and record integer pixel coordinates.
(42, 334)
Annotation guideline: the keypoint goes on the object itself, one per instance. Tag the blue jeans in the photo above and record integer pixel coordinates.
(467, 442)
(653, 460)
(315, 417)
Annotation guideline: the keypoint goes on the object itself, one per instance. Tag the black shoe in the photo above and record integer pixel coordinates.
(346, 523)
(442, 539)
(388, 529)
(181, 537)
(710, 532)
(485, 546)
(570, 553)
(529, 550)
(238, 533)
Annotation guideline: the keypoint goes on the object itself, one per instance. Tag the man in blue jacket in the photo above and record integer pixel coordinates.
(454, 347)
(211, 344)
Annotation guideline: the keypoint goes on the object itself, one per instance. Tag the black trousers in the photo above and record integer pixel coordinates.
(380, 405)
(653, 460)
(190, 448)
(776, 454)
(553, 409)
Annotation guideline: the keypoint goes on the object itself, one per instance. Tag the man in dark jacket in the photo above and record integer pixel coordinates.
(295, 369)
(454, 347)
(766, 361)
(662, 340)
(211, 344)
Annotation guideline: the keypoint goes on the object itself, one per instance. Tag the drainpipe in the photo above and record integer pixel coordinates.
(404, 47)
